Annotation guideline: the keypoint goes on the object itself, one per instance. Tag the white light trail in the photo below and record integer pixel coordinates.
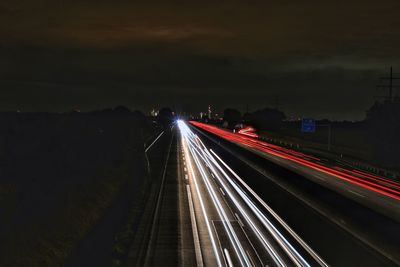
(275, 215)
(185, 135)
(252, 216)
(242, 256)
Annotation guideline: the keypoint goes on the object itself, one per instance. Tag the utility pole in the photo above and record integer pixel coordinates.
(391, 83)
(390, 86)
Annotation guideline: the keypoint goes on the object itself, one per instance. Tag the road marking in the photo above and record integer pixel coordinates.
(196, 240)
(228, 257)
(239, 220)
(222, 191)
(251, 244)
(251, 259)
(147, 149)
(185, 169)
(358, 194)
(157, 207)
(218, 240)
(186, 176)
(319, 177)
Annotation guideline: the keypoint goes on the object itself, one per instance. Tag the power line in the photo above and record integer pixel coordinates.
(390, 86)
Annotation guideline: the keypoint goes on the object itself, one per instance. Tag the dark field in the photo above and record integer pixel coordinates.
(60, 175)
(356, 141)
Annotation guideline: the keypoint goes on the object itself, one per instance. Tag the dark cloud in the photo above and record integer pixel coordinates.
(318, 57)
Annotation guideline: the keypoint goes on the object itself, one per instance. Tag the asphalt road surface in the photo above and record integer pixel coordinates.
(231, 224)
(223, 203)
(328, 227)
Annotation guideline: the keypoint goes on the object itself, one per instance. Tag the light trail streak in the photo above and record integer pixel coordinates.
(240, 252)
(273, 213)
(185, 135)
(228, 258)
(242, 256)
(249, 131)
(295, 256)
(252, 215)
(271, 251)
(196, 240)
(374, 183)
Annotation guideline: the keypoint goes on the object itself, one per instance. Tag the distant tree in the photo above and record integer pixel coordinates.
(247, 116)
(265, 119)
(165, 117)
(106, 110)
(383, 120)
(141, 117)
(232, 117)
(121, 109)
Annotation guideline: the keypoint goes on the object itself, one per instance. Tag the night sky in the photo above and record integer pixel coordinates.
(311, 58)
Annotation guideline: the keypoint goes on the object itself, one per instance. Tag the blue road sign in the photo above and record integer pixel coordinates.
(308, 126)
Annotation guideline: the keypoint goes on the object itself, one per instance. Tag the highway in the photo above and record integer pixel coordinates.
(225, 203)
(379, 193)
(231, 224)
(340, 228)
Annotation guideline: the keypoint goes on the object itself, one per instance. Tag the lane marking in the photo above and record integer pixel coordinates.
(319, 177)
(186, 176)
(251, 258)
(218, 240)
(358, 194)
(239, 220)
(222, 191)
(254, 249)
(196, 240)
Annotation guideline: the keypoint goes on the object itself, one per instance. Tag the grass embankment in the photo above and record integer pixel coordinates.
(49, 243)
(60, 174)
(137, 224)
(348, 139)
(126, 235)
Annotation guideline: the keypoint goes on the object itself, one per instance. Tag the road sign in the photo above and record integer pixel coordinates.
(308, 126)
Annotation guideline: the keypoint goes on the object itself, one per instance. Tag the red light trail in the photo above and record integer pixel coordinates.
(378, 184)
(248, 131)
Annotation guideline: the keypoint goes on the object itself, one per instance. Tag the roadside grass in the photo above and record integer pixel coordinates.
(126, 235)
(49, 243)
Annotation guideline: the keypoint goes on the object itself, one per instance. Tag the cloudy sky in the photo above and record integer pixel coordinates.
(312, 58)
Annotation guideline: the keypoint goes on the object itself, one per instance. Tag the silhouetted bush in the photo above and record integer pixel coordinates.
(232, 117)
(383, 120)
(265, 119)
(165, 117)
